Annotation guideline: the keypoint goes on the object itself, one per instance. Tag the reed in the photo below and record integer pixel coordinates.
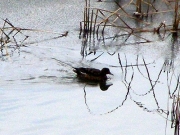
(176, 16)
(87, 21)
(12, 38)
(175, 114)
(97, 21)
(138, 6)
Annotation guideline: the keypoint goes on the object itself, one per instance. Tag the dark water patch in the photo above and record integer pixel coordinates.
(31, 78)
(47, 77)
(10, 109)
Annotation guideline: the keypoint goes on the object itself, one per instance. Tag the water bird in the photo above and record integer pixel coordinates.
(92, 74)
(89, 74)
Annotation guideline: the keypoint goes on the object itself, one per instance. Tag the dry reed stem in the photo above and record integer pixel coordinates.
(112, 13)
(176, 16)
(138, 6)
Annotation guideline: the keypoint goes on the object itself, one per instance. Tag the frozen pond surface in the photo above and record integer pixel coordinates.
(41, 95)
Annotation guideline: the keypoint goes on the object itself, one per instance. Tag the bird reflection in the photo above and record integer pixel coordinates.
(103, 85)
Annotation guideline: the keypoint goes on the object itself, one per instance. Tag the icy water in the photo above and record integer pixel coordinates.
(40, 94)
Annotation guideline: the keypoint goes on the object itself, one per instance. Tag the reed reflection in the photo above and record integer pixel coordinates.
(157, 85)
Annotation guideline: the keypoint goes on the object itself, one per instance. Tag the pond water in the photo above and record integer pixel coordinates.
(40, 94)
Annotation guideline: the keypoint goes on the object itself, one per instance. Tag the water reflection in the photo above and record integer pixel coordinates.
(103, 85)
(146, 82)
(151, 85)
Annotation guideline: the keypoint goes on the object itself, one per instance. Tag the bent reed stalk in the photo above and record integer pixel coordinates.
(97, 19)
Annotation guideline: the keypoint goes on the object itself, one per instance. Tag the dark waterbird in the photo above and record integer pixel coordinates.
(92, 74)
(89, 74)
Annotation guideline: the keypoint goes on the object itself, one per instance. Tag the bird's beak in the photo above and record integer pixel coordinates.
(110, 73)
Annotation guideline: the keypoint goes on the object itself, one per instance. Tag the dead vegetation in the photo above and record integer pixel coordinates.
(12, 38)
(132, 18)
(132, 72)
(143, 19)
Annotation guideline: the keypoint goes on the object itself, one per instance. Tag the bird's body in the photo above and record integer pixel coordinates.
(92, 74)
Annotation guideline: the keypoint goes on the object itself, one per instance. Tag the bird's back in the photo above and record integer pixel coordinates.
(89, 74)
(89, 71)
